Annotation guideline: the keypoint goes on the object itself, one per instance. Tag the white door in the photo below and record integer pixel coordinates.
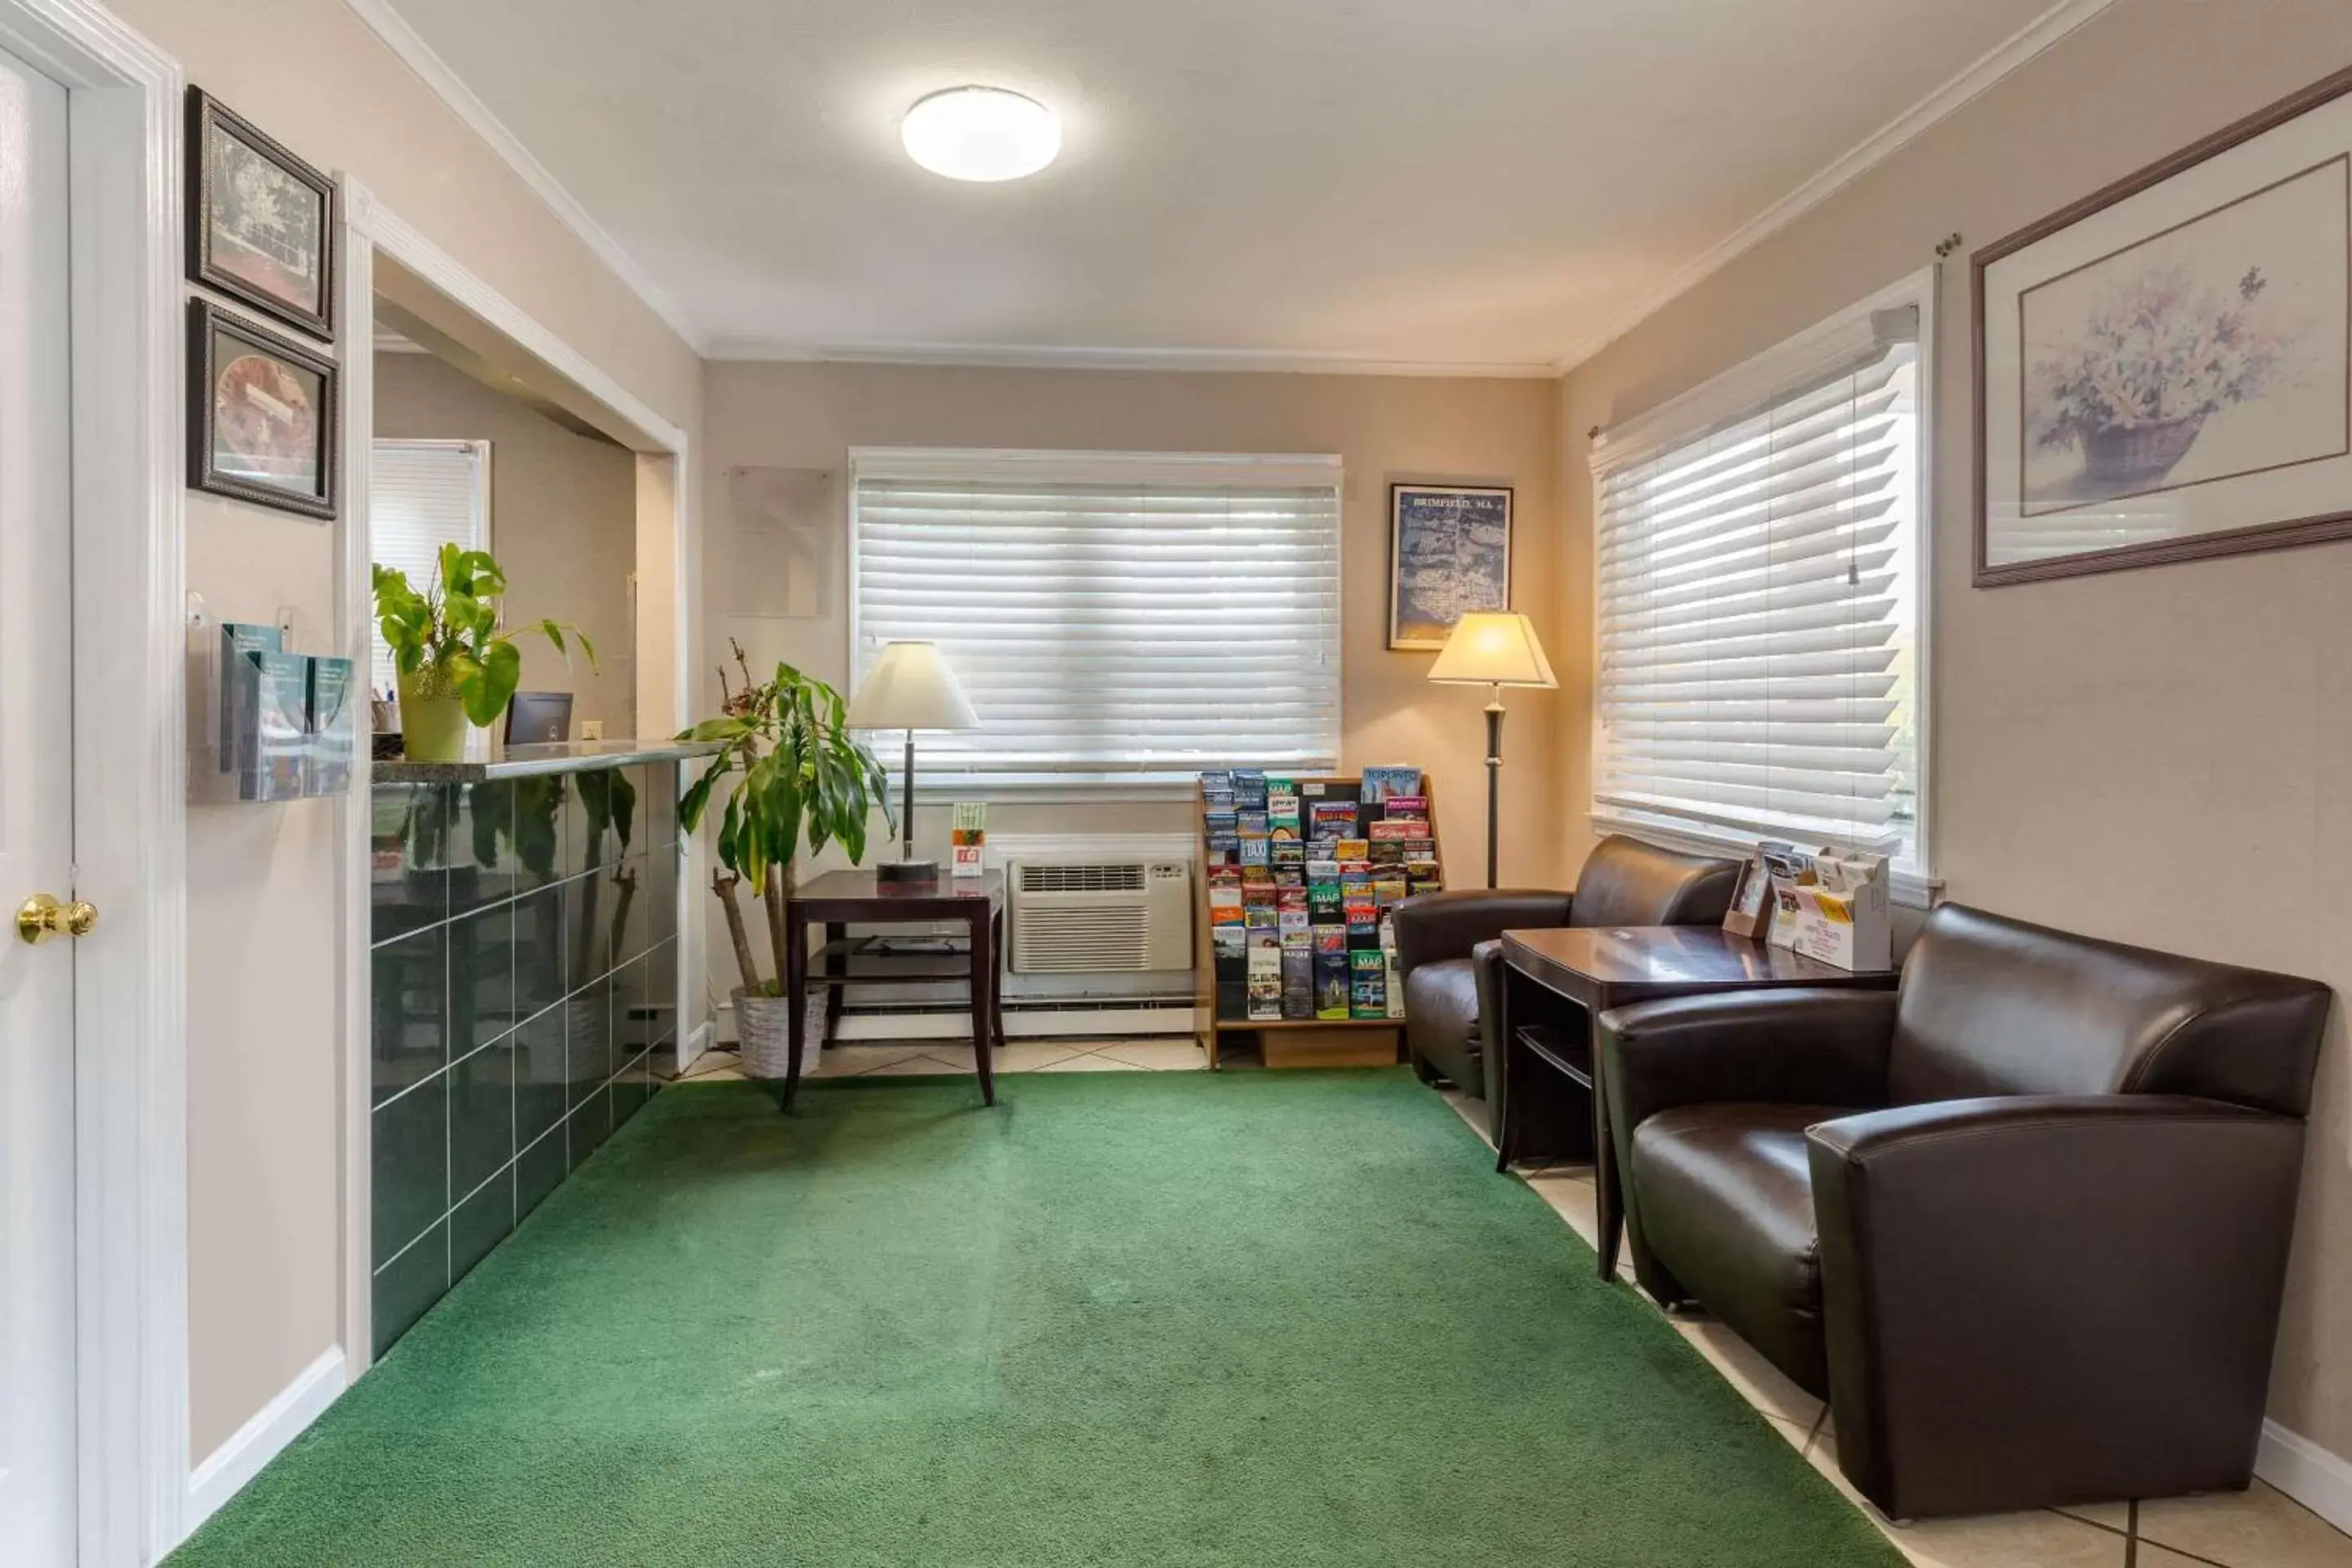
(37, 1016)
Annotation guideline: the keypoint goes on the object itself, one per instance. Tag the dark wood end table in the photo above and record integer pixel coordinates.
(837, 898)
(1557, 981)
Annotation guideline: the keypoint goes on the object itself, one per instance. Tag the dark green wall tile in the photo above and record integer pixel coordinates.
(409, 1153)
(409, 1017)
(590, 1017)
(410, 1284)
(482, 1001)
(480, 1223)
(590, 1124)
(408, 852)
(481, 1115)
(542, 1074)
(539, 1170)
(539, 951)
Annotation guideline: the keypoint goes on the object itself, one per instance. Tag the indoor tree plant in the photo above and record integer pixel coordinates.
(799, 776)
(458, 665)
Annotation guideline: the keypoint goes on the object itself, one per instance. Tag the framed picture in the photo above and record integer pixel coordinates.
(261, 222)
(1449, 553)
(262, 415)
(2164, 370)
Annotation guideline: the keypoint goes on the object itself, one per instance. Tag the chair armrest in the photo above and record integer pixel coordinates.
(1433, 927)
(1825, 1046)
(2079, 1293)
(1487, 965)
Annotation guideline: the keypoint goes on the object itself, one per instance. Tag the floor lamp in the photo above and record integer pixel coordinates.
(1493, 648)
(911, 688)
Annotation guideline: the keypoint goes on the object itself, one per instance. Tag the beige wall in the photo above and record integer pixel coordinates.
(564, 524)
(809, 415)
(265, 1015)
(2159, 756)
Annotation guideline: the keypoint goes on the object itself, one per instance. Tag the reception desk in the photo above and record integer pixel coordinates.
(525, 976)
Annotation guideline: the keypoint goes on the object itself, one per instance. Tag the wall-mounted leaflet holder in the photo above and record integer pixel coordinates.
(265, 723)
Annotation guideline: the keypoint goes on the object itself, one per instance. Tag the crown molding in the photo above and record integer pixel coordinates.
(1881, 144)
(444, 84)
(1022, 357)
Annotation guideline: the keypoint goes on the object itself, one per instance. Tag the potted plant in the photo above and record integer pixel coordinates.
(458, 665)
(799, 777)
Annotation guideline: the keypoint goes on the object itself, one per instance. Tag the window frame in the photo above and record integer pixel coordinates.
(1079, 466)
(1743, 390)
(480, 452)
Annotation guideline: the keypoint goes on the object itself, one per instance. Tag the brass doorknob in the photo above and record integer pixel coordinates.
(41, 917)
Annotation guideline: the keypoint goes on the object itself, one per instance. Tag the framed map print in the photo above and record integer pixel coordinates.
(2164, 370)
(1449, 553)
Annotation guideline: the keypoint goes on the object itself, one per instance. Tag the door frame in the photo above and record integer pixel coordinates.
(130, 773)
(665, 502)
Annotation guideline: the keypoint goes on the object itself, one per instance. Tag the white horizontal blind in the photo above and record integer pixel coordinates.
(421, 496)
(1758, 616)
(1110, 616)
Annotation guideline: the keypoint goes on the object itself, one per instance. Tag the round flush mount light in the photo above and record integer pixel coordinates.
(981, 134)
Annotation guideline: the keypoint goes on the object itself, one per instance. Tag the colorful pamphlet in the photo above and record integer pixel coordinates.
(1368, 984)
(1381, 783)
(1332, 972)
(1264, 982)
(327, 763)
(968, 836)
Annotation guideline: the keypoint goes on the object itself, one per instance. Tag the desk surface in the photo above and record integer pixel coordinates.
(1692, 958)
(863, 887)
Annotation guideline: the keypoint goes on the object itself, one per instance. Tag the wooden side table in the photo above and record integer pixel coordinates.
(1556, 981)
(836, 899)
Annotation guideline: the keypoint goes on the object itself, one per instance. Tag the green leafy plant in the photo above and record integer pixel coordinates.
(798, 777)
(447, 641)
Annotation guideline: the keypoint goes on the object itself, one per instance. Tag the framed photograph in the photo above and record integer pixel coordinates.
(262, 416)
(1449, 553)
(2164, 370)
(261, 222)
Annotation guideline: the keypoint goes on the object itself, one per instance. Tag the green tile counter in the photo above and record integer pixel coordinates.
(525, 972)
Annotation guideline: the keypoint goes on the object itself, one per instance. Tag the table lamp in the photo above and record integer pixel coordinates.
(1494, 649)
(911, 688)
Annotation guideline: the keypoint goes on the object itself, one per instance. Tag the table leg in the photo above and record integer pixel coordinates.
(1609, 1213)
(796, 996)
(996, 985)
(1506, 1110)
(984, 982)
(835, 994)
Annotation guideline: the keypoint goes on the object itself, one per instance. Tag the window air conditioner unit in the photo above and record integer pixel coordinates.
(1097, 914)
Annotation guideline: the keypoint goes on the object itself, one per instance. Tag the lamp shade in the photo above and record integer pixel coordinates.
(1493, 647)
(910, 687)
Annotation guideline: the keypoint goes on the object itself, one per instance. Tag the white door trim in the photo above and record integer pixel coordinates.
(130, 773)
(372, 228)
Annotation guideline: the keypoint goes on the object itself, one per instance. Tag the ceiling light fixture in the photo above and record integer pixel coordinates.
(981, 134)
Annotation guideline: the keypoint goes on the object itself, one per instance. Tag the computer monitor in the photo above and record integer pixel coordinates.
(539, 718)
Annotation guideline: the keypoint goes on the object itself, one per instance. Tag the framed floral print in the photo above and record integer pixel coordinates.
(261, 222)
(2164, 370)
(262, 415)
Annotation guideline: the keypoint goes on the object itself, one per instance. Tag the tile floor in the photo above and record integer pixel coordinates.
(2259, 1528)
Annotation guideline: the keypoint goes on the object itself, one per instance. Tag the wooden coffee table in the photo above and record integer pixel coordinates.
(1557, 981)
(836, 899)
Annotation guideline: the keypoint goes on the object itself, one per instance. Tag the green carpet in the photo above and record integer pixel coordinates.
(1264, 1320)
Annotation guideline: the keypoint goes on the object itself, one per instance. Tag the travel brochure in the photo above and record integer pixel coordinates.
(286, 723)
(1301, 876)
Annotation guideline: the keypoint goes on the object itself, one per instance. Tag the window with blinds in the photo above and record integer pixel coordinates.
(1110, 616)
(421, 496)
(1758, 607)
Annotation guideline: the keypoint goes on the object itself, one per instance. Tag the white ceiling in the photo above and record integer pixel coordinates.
(1475, 182)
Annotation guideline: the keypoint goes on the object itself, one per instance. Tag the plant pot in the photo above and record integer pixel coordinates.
(432, 726)
(2138, 457)
(764, 1035)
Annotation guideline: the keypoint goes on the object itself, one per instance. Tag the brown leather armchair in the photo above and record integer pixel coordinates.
(1449, 956)
(2024, 1223)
